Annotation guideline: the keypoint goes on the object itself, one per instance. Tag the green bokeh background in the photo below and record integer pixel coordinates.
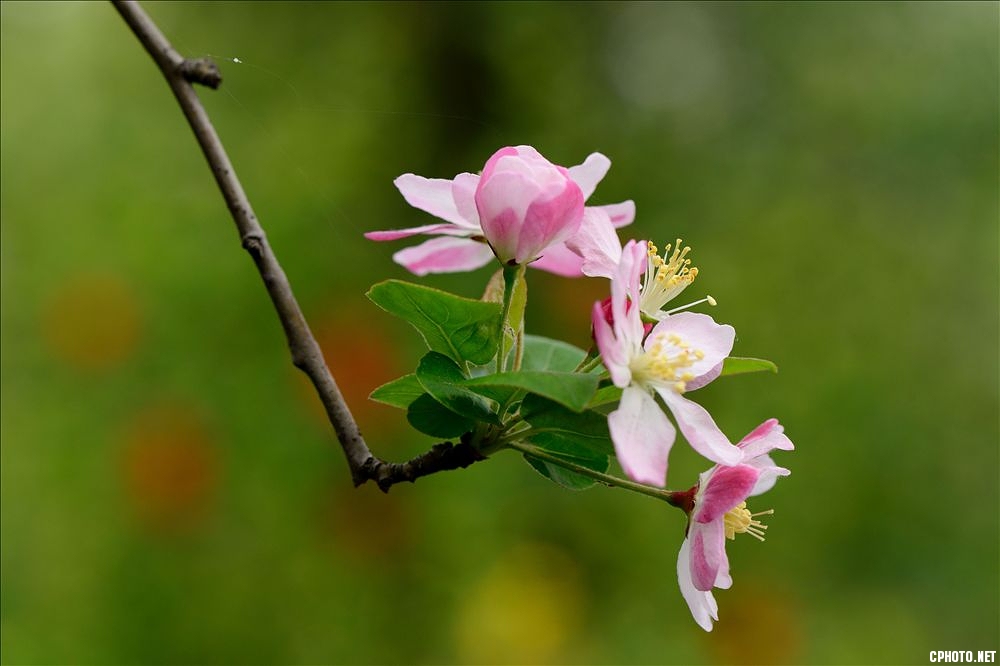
(170, 492)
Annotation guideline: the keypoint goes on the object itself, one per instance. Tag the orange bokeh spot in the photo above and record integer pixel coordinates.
(366, 523)
(170, 467)
(361, 359)
(758, 624)
(91, 321)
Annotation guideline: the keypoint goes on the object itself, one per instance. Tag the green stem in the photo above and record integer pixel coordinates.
(511, 274)
(587, 359)
(590, 365)
(519, 348)
(607, 479)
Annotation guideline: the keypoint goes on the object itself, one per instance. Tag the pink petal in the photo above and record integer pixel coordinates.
(703, 379)
(724, 488)
(621, 214)
(642, 435)
(613, 354)
(431, 229)
(433, 195)
(550, 221)
(503, 201)
(722, 579)
(700, 331)
(560, 260)
(700, 430)
(767, 436)
(590, 173)
(597, 243)
(703, 607)
(444, 255)
(625, 288)
(463, 191)
(495, 157)
(769, 473)
(708, 550)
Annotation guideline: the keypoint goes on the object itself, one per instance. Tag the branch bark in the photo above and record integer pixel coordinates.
(181, 73)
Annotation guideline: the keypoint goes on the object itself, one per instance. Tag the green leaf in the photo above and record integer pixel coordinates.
(735, 365)
(578, 434)
(441, 377)
(399, 392)
(571, 389)
(547, 354)
(461, 328)
(432, 418)
(568, 478)
(604, 396)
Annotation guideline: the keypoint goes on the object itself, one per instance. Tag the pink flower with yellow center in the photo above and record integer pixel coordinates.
(522, 209)
(718, 511)
(682, 352)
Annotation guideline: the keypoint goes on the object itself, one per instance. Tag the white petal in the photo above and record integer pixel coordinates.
(621, 214)
(769, 473)
(433, 195)
(702, 604)
(590, 173)
(559, 260)
(702, 333)
(625, 288)
(439, 229)
(700, 430)
(597, 243)
(463, 191)
(444, 255)
(642, 435)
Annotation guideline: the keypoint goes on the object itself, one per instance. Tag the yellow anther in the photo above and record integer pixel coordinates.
(666, 275)
(666, 363)
(739, 520)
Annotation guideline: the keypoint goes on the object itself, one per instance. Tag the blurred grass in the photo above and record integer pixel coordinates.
(170, 492)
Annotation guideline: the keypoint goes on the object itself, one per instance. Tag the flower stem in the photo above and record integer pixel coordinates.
(587, 359)
(607, 479)
(511, 275)
(587, 366)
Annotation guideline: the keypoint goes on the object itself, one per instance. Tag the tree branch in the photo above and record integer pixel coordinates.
(181, 73)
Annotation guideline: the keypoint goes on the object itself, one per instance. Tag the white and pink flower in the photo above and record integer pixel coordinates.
(719, 512)
(682, 352)
(522, 209)
(665, 276)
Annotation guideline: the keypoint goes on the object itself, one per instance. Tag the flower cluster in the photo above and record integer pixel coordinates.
(523, 210)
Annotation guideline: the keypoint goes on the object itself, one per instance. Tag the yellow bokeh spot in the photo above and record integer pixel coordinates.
(526, 609)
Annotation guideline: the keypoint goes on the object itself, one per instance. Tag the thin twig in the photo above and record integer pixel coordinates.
(181, 73)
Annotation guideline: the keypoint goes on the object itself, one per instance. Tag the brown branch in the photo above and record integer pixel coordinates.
(181, 73)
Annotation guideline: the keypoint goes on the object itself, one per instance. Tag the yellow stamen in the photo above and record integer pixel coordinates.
(739, 520)
(666, 276)
(666, 362)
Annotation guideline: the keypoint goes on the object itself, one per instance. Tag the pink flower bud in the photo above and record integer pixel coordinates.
(526, 204)
(609, 316)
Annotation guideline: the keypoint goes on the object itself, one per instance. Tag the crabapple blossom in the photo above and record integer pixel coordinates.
(665, 277)
(718, 511)
(682, 352)
(522, 209)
